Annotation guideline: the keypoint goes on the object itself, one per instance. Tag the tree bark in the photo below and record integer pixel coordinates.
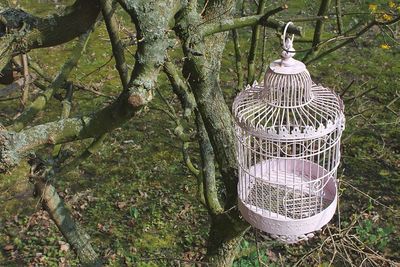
(21, 31)
(201, 69)
(62, 217)
(225, 235)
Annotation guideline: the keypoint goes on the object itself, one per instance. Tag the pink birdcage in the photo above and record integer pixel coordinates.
(288, 137)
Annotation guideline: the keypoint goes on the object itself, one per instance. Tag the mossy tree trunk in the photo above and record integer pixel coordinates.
(201, 69)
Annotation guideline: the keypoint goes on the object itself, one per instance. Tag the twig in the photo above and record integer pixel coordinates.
(339, 20)
(25, 89)
(41, 101)
(33, 65)
(323, 9)
(255, 35)
(90, 150)
(238, 59)
(98, 68)
(9, 99)
(346, 89)
(371, 198)
(263, 59)
(392, 102)
(180, 88)
(208, 168)
(362, 93)
(90, 89)
(361, 32)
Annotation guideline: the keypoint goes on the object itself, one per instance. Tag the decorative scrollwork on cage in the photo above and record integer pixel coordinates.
(288, 141)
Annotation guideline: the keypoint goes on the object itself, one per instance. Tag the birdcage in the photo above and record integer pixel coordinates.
(288, 141)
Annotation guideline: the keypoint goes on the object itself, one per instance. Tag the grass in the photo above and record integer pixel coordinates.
(137, 200)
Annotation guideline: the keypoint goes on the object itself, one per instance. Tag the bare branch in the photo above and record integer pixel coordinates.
(339, 20)
(25, 90)
(254, 43)
(323, 10)
(361, 32)
(355, 36)
(41, 101)
(44, 32)
(62, 217)
(208, 168)
(117, 47)
(236, 23)
(238, 59)
(90, 150)
(180, 88)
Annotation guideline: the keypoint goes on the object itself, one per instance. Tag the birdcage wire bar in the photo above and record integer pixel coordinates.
(288, 133)
(288, 154)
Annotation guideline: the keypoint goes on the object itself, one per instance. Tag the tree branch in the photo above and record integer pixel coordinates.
(188, 104)
(62, 217)
(323, 10)
(255, 35)
(14, 146)
(236, 23)
(180, 88)
(41, 101)
(65, 112)
(90, 150)
(39, 32)
(208, 169)
(339, 20)
(117, 47)
(238, 59)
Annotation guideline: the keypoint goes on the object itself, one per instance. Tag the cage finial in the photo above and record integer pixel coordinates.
(287, 44)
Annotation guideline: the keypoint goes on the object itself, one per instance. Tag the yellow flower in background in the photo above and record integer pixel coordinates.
(385, 46)
(387, 17)
(372, 7)
(392, 4)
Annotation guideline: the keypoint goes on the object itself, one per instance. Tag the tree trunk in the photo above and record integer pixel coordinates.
(224, 239)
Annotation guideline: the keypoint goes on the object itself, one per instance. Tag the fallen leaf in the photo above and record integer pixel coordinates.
(64, 247)
(121, 205)
(8, 247)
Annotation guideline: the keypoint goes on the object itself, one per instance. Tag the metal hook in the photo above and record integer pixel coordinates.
(284, 35)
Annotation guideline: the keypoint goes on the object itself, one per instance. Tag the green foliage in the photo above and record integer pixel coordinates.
(373, 235)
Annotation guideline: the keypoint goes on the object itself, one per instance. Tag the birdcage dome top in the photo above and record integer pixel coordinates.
(287, 104)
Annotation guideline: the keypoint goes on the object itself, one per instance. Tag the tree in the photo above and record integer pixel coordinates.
(201, 30)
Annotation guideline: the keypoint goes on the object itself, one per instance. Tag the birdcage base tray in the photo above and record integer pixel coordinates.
(285, 227)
